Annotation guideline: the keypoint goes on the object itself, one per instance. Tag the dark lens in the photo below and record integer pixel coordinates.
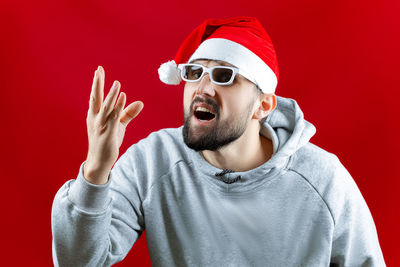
(193, 72)
(222, 75)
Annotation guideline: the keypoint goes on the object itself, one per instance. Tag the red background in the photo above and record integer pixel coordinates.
(338, 59)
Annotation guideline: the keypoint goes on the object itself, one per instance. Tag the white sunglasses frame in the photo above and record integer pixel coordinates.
(209, 71)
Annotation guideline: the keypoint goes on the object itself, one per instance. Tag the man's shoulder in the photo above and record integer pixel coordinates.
(312, 158)
(166, 140)
(315, 165)
(318, 166)
(326, 174)
(153, 156)
(160, 149)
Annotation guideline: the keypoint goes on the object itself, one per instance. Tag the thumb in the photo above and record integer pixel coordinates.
(131, 112)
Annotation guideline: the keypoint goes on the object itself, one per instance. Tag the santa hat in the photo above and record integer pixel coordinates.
(240, 41)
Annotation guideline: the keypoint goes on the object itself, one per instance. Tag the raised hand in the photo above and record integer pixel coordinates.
(106, 125)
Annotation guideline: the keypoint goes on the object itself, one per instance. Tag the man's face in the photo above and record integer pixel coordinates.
(216, 115)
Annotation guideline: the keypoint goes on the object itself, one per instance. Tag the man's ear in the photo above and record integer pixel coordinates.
(266, 104)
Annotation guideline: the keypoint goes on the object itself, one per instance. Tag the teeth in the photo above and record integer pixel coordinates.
(203, 109)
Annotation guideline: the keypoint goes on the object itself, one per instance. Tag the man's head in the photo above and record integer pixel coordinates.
(216, 115)
(243, 43)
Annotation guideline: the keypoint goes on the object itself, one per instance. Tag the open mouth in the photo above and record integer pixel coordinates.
(203, 114)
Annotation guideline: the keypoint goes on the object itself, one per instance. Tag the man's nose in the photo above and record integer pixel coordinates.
(206, 86)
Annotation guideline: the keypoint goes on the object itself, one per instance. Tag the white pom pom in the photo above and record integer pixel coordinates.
(169, 73)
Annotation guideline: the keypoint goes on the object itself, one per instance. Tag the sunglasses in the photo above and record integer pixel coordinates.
(220, 75)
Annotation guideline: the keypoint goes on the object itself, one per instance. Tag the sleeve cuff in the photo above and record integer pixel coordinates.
(87, 196)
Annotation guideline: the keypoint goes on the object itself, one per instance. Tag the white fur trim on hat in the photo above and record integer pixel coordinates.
(169, 73)
(252, 67)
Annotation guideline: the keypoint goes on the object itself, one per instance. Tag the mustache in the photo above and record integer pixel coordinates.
(209, 101)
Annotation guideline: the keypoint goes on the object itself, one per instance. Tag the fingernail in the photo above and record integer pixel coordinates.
(98, 67)
(115, 84)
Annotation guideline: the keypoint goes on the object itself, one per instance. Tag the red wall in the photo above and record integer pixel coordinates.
(338, 59)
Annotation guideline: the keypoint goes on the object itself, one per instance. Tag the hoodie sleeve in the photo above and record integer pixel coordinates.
(355, 239)
(95, 225)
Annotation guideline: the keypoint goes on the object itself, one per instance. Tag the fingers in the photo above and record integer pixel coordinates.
(131, 112)
(96, 94)
(102, 79)
(106, 109)
(119, 106)
(120, 103)
(109, 102)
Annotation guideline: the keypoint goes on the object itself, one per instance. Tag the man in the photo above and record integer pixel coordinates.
(238, 185)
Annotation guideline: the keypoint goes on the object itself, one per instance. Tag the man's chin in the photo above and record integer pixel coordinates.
(201, 142)
(194, 137)
(195, 147)
(195, 134)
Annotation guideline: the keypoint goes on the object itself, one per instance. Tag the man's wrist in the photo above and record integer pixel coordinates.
(95, 176)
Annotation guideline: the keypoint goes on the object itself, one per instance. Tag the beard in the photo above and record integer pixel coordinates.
(216, 135)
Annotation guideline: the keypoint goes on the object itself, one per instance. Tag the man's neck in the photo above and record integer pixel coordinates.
(247, 152)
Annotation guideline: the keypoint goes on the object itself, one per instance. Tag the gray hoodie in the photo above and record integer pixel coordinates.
(300, 208)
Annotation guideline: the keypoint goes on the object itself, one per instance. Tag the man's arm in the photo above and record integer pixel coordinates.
(355, 239)
(93, 222)
(94, 225)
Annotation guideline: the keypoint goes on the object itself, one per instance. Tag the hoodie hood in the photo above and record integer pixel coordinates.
(287, 128)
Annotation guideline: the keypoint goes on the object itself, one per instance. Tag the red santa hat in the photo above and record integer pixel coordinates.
(240, 41)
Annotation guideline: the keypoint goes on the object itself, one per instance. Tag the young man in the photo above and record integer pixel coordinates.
(238, 185)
